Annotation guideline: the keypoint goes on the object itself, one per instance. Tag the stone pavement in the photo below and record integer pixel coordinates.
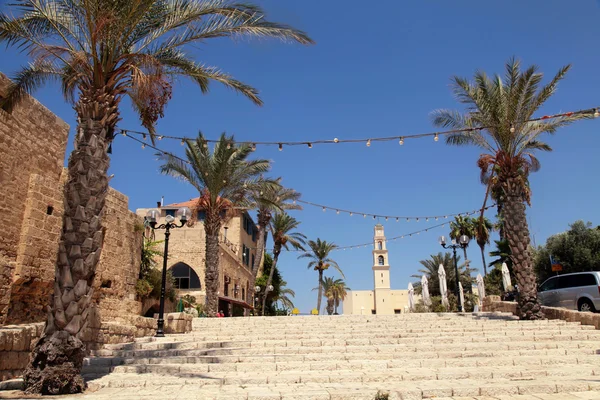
(489, 356)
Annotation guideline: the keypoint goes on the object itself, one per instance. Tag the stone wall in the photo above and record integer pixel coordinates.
(17, 341)
(32, 141)
(493, 303)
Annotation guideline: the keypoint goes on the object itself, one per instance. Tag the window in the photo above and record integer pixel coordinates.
(170, 212)
(578, 280)
(396, 311)
(243, 294)
(254, 232)
(382, 274)
(226, 287)
(201, 215)
(185, 277)
(380, 245)
(372, 311)
(252, 261)
(245, 252)
(381, 260)
(550, 284)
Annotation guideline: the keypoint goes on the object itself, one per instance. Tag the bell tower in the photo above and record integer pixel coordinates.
(381, 273)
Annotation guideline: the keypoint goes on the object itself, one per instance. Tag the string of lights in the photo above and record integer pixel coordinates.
(593, 112)
(397, 218)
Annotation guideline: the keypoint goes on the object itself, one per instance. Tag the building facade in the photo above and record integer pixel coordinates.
(187, 256)
(382, 300)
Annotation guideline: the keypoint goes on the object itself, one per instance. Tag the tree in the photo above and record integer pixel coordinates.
(327, 285)
(268, 200)
(320, 261)
(280, 295)
(224, 179)
(431, 267)
(462, 226)
(340, 291)
(284, 298)
(102, 51)
(577, 250)
(483, 228)
(282, 228)
(498, 117)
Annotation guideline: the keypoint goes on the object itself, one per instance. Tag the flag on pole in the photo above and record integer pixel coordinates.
(555, 265)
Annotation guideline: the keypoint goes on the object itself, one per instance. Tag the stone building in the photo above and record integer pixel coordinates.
(382, 300)
(187, 249)
(32, 152)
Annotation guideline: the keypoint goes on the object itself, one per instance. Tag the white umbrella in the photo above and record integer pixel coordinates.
(480, 289)
(411, 297)
(425, 291)
(506, 278)
(443, 286)
(461, 294)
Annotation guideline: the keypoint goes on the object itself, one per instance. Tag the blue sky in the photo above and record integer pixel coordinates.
(379, 69)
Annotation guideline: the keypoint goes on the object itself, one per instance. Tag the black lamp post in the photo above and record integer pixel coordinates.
(183, 214)
(463, 242)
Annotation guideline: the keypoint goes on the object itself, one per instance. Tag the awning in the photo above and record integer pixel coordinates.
(235, 301)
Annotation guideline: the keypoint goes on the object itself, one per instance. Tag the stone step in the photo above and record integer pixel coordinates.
(382, 348)
(332, 356)
(263, 366)
(425, 389)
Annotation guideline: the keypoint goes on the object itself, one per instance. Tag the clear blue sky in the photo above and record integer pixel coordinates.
(378, 69)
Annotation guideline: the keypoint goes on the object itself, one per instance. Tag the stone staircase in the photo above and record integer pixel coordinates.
(411, 356)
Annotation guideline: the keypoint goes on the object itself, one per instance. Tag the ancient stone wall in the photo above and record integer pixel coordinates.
(32, 141)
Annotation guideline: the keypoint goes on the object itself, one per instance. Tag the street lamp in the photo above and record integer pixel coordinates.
(183, 214)
(463, 242)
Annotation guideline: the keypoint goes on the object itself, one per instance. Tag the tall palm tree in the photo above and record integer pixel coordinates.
(268, 201)
(431, 267)
(483, 228)
(102, 51)
(320, 261)
(224, 179)
(462, 226)
(284, 297)
(328, 285)
(340, 291)
(497, 114)
(282, 227)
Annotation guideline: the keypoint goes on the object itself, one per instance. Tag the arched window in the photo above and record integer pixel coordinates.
(380, 245)
(185, 277)
(381, 260)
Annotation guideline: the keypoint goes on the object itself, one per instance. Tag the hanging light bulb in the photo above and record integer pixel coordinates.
(160, 137)
(336, 140)
(445, 216)
(401, 141)
(253, 146)
(144, 146)
(402, 237)
(373, 218)
(294, 202)
(407, 219)
(369, 143)
(426, 219)
(364, 215)
(337, 211)
(436, 137)
(124, 133)
(144, 136)
(386, 218)
(323, 209)
(224, 181)
(397, 220)
(205, 144)
(436, 218)
(182, 142)
(206, 174)
(280, 147)
(596, 113)
(512, 129)
(309, 145)
(417, 219)
(228, 145)
(351, 214)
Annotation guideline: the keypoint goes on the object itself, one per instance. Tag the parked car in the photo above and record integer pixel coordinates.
(578, 291)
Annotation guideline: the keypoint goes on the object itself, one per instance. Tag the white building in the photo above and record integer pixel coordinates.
(382, 300)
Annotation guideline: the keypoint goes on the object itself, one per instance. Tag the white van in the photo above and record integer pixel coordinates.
(578, 291)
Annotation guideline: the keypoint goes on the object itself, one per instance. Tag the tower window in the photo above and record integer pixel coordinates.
(382, 274)
(381, 260)
(380, 245)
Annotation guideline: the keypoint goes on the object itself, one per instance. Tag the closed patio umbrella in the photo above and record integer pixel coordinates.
(480, 289)
(425, 291)
(443, 286)
(411, 297)
(506, 278)
(461, 293)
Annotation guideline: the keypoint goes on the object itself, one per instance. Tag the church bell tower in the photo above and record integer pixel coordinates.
(381, 273)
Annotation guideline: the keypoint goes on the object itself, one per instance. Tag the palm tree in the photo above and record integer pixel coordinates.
(328, 285)
(267, 201)
(483, 228)
(340, 291)
(431, 267)
(102, 51)
(224, 180)
(320, 261)
(282, 227)
(497, 115)
(283, 297)
(462, 226)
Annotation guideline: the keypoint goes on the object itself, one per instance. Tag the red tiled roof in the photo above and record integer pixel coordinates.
(191, 203)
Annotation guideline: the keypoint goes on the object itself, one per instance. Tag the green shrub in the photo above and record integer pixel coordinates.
(143, 288)
(382, 395)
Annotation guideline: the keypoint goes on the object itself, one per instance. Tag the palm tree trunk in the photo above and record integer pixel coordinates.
(56, 361)
(483, 259)
(465, 251)
(517, 234)
(263, 222)
(212, 225)
(320, 291)
(276, 252)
